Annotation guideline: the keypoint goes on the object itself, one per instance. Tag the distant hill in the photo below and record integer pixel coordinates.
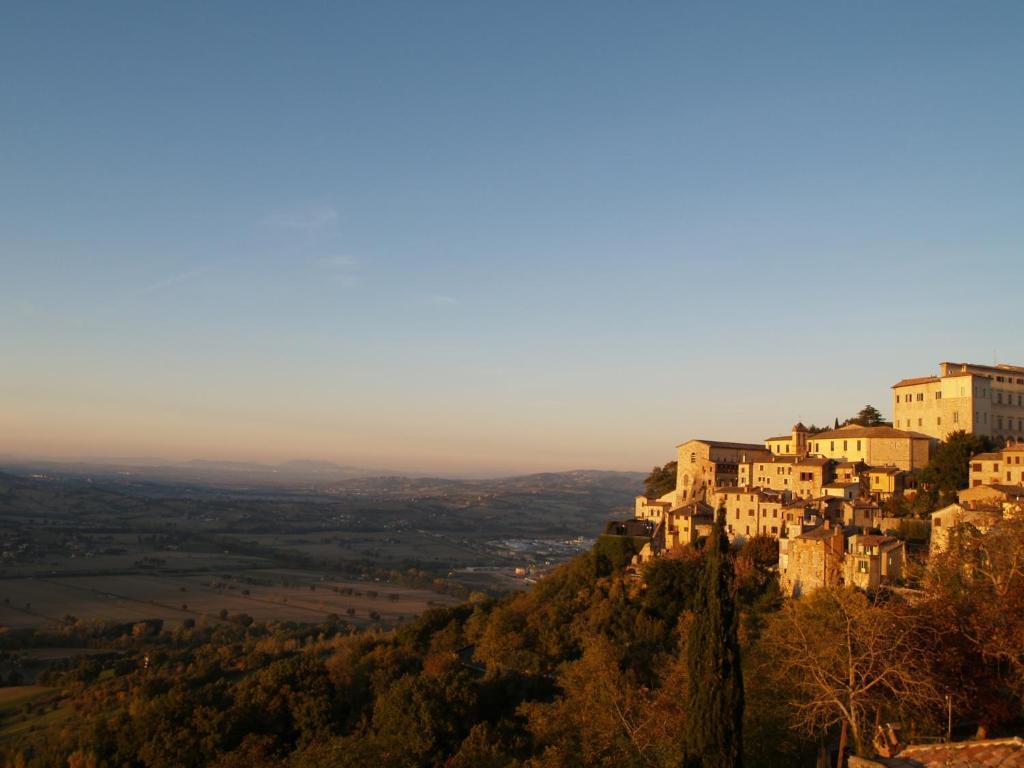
(313, 475)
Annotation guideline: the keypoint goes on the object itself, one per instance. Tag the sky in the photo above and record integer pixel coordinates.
(471, 237)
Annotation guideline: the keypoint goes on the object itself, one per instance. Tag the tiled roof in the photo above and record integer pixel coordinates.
(694, 508)
(1000, 368)
(1004, 753)
(726, 444)
(918, 380)
(765, 495)
(854, 430)
(821, 532)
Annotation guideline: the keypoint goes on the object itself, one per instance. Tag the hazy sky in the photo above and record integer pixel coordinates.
(490, 236)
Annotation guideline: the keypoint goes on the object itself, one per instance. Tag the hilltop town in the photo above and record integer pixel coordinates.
(837, 500)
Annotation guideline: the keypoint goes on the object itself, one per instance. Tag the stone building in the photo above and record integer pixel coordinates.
(801, 476)
(946, 520)
(688, 523)
(875, 446)
(814, 560)
(750, 511)
(996, 493)
(703, 465)
(885, 482)
(872, 560)
(862, 513)
(1005, 467)
(793, 444)
(981, 399)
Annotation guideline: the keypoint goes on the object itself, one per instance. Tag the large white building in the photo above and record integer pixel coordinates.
(981, 399)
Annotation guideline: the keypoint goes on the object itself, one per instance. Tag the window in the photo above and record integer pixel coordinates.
(862, 566)
(976, 467)
(919, 422)
(920, 396)
(844, 444)
(938, 421)
(858, 445)
(937, 522)
(938, 395)
(956, 417)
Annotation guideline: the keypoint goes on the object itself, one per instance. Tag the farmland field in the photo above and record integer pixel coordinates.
(280, 596)
(373, 551)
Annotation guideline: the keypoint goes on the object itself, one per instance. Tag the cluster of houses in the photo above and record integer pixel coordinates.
(822, 494)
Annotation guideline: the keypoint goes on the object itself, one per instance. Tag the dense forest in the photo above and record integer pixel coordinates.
(590, 668)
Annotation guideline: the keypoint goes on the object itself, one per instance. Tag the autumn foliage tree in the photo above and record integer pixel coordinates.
(844, 658)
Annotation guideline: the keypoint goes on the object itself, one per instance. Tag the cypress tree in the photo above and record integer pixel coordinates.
(714, 727)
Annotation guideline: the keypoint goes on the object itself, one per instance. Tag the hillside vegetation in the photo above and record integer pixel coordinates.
(589, 668)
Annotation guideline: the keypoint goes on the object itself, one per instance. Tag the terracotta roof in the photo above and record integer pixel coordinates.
(694, 508)
(1017, 491)
(818, 461)
(765, 494)
(918, 380)
(779, 437)
(1000, 368)
(987, 457)
(726, 444)
(885, 470)
(1004, 753)
(821, 532)
(873, 539)
(855, 431)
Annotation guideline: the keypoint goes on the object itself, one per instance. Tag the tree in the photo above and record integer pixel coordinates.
(660, 481)
(976, 600)
(714, 733)
(843, 658)
(868, 416)
(604, 718)
(948, 470)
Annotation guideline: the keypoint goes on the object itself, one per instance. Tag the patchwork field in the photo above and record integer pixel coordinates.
(374, 551)
(265, 595)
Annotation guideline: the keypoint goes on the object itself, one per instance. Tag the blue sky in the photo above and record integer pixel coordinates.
(482, 237)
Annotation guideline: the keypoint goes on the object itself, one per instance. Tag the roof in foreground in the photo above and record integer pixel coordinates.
(1005, 753)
